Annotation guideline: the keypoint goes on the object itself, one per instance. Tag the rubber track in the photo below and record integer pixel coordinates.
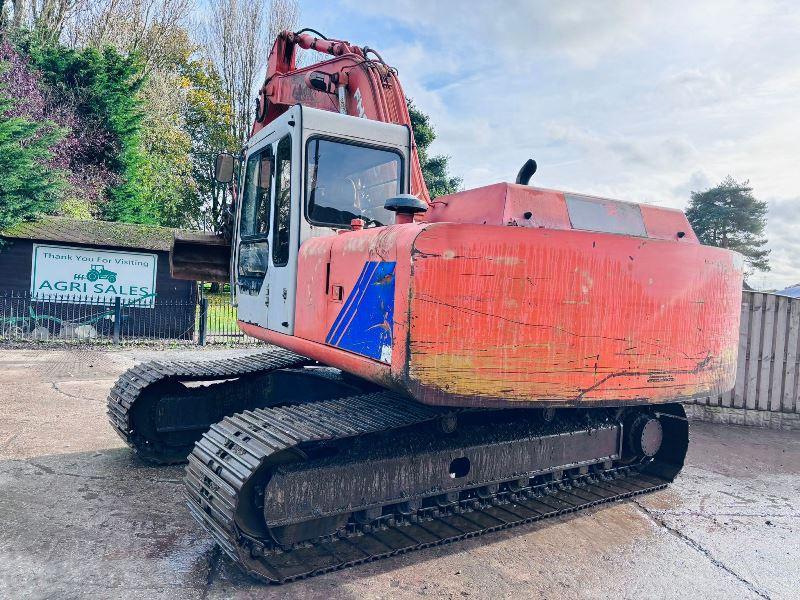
(136, 380)
(232, 450)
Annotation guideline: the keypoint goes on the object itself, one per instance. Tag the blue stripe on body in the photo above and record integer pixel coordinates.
(356, 292)
(364, 325)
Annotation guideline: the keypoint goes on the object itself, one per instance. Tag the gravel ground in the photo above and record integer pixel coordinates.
(82, 517)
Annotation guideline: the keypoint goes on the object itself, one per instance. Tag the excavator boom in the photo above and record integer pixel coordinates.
(356, 81)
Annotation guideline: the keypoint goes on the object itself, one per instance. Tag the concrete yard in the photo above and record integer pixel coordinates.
(82, 517)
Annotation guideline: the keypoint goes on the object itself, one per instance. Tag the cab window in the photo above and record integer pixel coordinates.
(255, 220)
(347, 181)
(283, 202)
(255, 195)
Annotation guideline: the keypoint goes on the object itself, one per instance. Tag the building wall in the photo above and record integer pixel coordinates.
(173, 315)
(15, 269)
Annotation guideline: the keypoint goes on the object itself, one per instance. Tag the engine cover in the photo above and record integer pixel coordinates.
(545, 313)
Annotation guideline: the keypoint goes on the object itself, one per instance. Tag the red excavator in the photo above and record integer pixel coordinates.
(438, 369)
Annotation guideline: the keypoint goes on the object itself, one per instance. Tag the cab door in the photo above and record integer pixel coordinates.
(284, 236)
(251, 259)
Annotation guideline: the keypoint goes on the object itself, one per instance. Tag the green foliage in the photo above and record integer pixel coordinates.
(166, 170)
(165, 174)
(729, 216)
(208, 120)
(27, 186)
(434, 168)
(74, 206)
(103, 86)
(156, 134)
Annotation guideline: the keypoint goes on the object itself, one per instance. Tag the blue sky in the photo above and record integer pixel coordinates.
(634, 100)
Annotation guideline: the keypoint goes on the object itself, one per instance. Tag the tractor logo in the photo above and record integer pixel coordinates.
(100, 272)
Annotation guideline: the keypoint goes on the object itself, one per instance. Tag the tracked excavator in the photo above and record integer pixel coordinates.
(438, 369)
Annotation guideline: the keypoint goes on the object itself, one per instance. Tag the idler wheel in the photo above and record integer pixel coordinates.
(646, 435)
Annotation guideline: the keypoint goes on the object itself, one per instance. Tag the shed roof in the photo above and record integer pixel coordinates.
(793, 291)
(95, 233)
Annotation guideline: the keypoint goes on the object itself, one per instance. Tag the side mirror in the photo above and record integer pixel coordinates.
(223, 167)
(265, 172)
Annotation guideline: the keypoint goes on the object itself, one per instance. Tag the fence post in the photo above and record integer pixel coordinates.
(117, 318)
(203, 320)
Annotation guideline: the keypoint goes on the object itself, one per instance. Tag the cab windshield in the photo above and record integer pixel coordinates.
(346, 181)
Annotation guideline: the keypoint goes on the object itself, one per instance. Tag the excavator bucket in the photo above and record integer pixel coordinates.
(200, 256)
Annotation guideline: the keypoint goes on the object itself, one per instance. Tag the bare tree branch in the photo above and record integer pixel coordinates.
(237, 38)
(148, 28)
(47, 17)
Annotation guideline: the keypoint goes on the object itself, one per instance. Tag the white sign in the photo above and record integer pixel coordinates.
(63, 274)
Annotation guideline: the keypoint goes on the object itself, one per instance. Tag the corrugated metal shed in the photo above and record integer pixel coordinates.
(94, 233)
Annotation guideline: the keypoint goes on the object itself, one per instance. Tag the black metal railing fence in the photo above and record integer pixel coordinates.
(79, 318)
(216, 321)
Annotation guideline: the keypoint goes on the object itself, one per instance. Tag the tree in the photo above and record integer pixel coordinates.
(103, 89)
(238, 36)
(28, 186)
(208, 119)
(730, 216)
(153, 30)
(235, 42)
(283, 16)
(434, 168)
(120, 80)
(86, 181)
(5, 14)
(166, 166)
(47, 18)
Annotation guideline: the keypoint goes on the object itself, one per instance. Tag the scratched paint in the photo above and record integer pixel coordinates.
(575, 317)
(486, 314)
(365, 323)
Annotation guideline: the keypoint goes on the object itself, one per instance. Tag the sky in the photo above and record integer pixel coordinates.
(640, 101)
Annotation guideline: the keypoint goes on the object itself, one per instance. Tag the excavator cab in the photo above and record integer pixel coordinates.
(309, 174)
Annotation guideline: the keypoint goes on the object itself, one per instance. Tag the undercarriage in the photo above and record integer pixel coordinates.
(296, 469)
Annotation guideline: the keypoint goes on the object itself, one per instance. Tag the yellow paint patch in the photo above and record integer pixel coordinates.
(472, 375)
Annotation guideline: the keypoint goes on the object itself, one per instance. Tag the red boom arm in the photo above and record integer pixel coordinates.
(351, 82)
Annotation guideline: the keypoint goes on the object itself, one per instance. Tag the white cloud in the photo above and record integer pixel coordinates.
(628, 151)
(581, 31)
(697, 87)
(639, 100)
(783, 225)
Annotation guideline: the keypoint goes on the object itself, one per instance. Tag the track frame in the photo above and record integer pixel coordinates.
(231, 466)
